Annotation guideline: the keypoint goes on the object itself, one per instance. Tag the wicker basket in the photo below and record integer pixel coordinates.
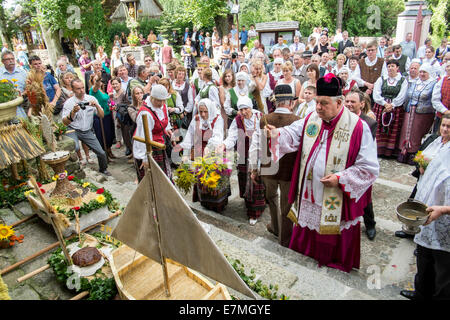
(8, 109)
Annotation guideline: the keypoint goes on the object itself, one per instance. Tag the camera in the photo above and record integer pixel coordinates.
(156, 74)
(234, 55)
(83, 105)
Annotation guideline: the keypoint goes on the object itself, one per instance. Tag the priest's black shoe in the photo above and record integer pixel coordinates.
(371, 233)
(410, 294)
(402, 234)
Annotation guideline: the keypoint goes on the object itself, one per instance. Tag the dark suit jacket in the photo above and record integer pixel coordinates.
(343, 45)
(371, 122)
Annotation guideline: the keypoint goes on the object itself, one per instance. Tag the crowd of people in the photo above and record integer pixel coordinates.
(330, 106)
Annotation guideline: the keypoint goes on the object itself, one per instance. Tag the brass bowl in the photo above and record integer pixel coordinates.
(412, 214)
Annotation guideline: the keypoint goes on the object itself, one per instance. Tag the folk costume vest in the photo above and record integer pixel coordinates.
(159, 128)
(445, 94)
(332, 201)
(234, 99)
(371, 74)
(390, 92)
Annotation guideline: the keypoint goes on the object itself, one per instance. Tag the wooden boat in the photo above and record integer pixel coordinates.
(140, 278)
(166, 253)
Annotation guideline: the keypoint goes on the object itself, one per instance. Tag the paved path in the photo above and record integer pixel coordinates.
(387, 263)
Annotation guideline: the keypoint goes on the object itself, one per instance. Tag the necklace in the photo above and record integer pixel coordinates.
(391, 81)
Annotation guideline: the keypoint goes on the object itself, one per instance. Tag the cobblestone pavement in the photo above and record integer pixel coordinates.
(387, 263)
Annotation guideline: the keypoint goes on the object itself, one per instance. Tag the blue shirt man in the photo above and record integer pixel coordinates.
(49, 86)
(243, 36)
(15, 74)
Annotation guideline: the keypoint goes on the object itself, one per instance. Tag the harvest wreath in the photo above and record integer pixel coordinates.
(99, 198)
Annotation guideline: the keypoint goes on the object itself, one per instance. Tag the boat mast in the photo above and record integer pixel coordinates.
(148, 144)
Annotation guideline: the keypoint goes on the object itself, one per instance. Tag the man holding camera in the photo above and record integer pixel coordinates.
(78, 115)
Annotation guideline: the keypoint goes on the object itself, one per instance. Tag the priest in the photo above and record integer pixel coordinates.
(336, 164)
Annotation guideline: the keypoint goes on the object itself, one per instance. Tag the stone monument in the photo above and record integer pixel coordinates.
(406, 22)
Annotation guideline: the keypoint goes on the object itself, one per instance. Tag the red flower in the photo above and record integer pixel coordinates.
(70, 178)
(76, 208)
(39, 184)
(100, 191)
(328, 77)
(42, 190)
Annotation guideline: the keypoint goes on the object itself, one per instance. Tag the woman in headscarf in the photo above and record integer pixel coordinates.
(419, 114)
(350, 84)
(246, 123)
(205, 134)
(232, 96)
(389, 94)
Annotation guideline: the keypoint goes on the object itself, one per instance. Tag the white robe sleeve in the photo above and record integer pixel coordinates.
(377, 92)
(190, 105)
(357, 179)
(179, 104)
(188, 140)
(253, 151)
(214, 96)
(288, 140)
(233, 133)
(217, 136)
(139, 148)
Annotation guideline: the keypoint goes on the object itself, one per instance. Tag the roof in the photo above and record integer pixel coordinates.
(146, 8)
(276, 26)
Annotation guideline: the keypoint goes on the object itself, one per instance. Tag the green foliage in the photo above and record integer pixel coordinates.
(145, 25)
(116, 28)
(12, 192)
(438, 21)
(7, 91)
(269, 292)
(202, 12)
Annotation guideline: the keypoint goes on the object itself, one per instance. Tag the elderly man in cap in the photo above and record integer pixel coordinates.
(240, 90)
(160, 130)
(336, 164)
(240, 136)
(276, 175)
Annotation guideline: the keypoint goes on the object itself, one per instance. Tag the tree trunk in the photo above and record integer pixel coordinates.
(53, 44)
(339, 14)
(223, 24)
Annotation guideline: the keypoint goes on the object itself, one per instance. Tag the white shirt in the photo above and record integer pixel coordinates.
(421, 52)
(356, 75)
(399, 99)
(83, 119)
(215, 76)
(139, 148)
(297, 47)
(305, 108)
(124, 84)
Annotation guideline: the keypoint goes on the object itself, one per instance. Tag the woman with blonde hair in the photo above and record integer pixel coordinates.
(101, 55)
(225, 52)
(260, 81)
(294, 83)
(340, 63)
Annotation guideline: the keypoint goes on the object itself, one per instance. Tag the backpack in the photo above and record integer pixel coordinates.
(122, 114)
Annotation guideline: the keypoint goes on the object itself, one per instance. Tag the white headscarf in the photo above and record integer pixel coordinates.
(212, 113)
(427, 68)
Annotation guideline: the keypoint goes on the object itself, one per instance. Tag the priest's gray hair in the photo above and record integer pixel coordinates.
(341, 98)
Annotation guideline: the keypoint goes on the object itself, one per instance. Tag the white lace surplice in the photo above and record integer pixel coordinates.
(355, 179)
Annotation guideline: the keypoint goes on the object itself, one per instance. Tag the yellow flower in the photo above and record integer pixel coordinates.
(215, 176)
(14, 80)
(27, 193)
(100, 199)
(211, 183)
(5, 232)
(4, 80)
(54, 178)
(86, 184)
